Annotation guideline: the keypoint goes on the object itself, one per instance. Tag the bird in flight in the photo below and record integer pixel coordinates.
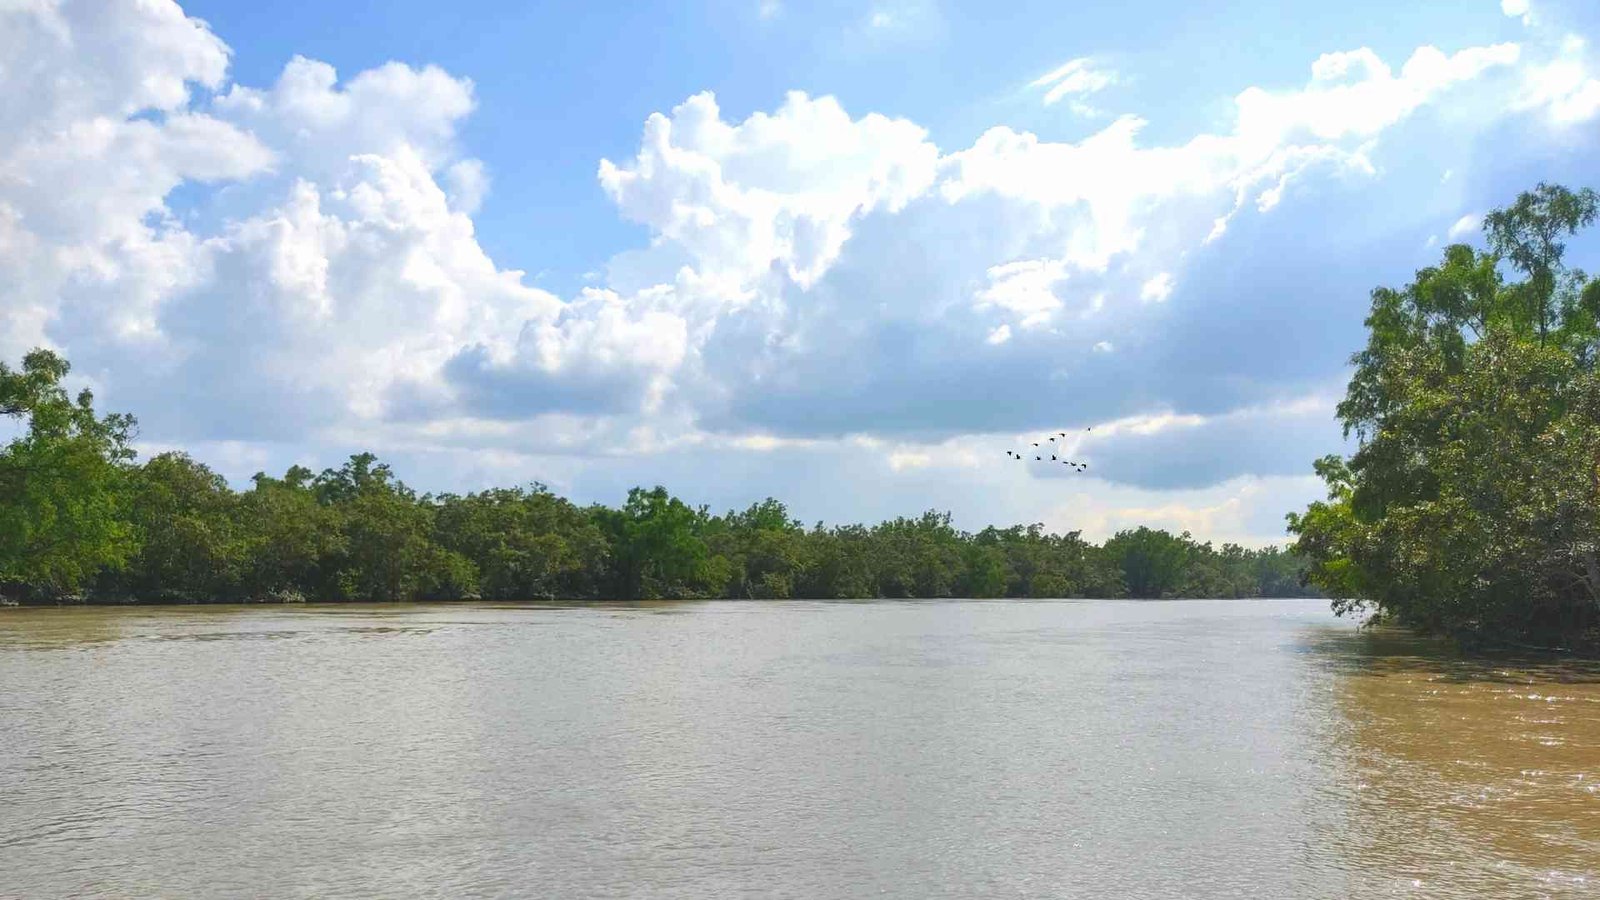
(1054, 457)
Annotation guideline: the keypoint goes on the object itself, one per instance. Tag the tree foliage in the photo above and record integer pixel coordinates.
(80, 518)
(63, 491)
(1472, 504)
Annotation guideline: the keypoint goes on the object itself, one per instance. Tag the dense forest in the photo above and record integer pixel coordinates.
(82, 521)
(1471, 507)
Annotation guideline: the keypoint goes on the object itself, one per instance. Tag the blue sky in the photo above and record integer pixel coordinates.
(844, 253)
(561, 85)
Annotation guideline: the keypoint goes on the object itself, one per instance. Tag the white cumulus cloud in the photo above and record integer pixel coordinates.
(1158, 288)
(812, 273)
(1464, 226)
(777, 189)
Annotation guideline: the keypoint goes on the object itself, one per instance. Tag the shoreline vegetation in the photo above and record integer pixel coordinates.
(83, 522)
(1471, 506)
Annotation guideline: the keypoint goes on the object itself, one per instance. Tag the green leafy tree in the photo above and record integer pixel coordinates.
(63, 485)
(917, 557)
(388, 551)
(657, 548)
(763, 548)
(983, 570)
(841, 564)
(525, 544)
(292, 541)
(1154, 563)
(1472, 503)
(186, 522)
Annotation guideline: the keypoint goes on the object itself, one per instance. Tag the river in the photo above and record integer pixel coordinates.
(1094, 749)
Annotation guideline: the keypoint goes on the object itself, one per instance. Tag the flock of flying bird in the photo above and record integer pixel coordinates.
(1077, 466)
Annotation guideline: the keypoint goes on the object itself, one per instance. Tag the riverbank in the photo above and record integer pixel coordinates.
(88, 521)
(179, 602)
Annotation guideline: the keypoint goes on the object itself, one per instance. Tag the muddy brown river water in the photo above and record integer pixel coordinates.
(1094, 749)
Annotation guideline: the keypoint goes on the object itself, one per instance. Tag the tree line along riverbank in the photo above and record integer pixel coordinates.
(82, 521)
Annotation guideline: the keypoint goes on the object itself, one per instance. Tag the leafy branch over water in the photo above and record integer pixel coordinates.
(1472, 506)
(79, 520)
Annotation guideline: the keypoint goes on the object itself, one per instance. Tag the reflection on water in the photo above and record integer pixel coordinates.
(1471, 777)
(1053, 749)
